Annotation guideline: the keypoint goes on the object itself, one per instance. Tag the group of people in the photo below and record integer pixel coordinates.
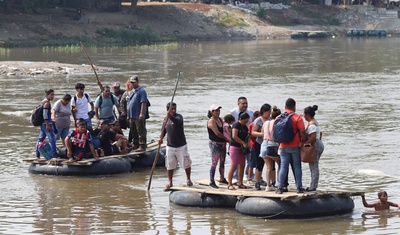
(248, 135)
(107, 138)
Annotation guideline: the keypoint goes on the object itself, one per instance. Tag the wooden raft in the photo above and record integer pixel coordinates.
(87, 162)
(202, 186)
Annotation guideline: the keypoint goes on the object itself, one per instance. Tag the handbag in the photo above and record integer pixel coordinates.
(123, 122)
(307, 153)
(245, 150)
(272, 149)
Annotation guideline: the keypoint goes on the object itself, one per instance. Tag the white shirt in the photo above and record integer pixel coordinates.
(82, 106)
(235, 113)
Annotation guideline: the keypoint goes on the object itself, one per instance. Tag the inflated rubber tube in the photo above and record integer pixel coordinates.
(196, 199)
(103, 167)
(318, 35)
(148, 159)
(274, 208)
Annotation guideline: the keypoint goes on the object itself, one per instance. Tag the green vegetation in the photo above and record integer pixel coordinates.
(230, 21)
(69, 41)
(330, 21)
(261, 12)
(128, 36)
(111, 36)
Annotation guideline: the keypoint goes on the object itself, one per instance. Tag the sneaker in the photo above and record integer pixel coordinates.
(257, 186)
(189, 183)
(250, 182)
(279, 191)
(213, 185)
(300, 190)
(285, 189)
(263, 182)
(234, 181)
(269, 189)
(223, 181)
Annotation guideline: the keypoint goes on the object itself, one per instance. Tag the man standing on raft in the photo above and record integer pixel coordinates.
(176, 145)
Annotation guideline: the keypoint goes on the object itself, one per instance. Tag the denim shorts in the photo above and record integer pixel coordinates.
(62, 133)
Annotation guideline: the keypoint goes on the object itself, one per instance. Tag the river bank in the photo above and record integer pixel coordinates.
(158, 22)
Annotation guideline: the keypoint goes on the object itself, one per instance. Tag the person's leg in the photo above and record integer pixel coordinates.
(88, 122)
(285, 160)
(230, 173)
(214, 160)
(142, 133)
(295, 152)
(268, 161)
(135, 134)
(241, 174)
(42, 136)
(170, 173)
(222, 155)
(188, 171)
(52, 141)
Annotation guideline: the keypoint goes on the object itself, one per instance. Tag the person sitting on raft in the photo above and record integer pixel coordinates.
(111, 142)
(382, 204)
(79, 143)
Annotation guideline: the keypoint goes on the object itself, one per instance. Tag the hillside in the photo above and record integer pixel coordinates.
(191, 21)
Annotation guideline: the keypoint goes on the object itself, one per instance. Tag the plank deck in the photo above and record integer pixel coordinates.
(87, 162)
(202, 186)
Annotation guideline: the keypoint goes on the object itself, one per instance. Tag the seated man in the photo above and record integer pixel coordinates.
(110, 142)
(79, 143)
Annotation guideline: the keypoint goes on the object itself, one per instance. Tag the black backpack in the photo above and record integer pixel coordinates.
(86, 95)
(37, 116)
(283, 129)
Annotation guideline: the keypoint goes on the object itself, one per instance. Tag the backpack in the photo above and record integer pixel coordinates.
(101, 99)
(37, 115)
(283, 129)
(86, 95)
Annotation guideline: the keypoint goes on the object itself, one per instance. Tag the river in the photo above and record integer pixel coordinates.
(354, 82)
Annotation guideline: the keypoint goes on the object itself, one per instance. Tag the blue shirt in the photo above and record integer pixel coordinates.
(135, 100)
(106, 109)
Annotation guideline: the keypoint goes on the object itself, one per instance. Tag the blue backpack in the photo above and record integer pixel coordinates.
(283, 129)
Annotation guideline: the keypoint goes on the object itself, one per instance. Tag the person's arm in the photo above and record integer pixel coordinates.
(213, 126)
(142, 110)
(53, 115)
(311, 138)
(163, 131)
(235, 137)
(365, 202)
(254, 131)
(46, 110)
(394, 204)
(119, 136)
(91, 105)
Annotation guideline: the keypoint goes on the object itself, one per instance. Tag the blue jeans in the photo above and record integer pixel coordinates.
(287, 155)
(50, 136)
(62, 133)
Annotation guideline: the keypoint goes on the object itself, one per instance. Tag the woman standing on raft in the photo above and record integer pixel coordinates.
(314, 135)
(240, 135)
(217, 144)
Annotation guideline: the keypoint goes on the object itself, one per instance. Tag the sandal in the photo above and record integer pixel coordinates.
(189, 183)
(230, 187)
(308, 189)
(168, 186)
(242, 186)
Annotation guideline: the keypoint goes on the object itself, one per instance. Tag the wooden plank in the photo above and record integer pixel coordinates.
(202, 186)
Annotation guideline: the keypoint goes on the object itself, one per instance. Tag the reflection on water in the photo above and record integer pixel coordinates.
(353, 81)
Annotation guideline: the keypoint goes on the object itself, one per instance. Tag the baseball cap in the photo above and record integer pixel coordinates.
(215, 107)
(134, 78)
(116, 84)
